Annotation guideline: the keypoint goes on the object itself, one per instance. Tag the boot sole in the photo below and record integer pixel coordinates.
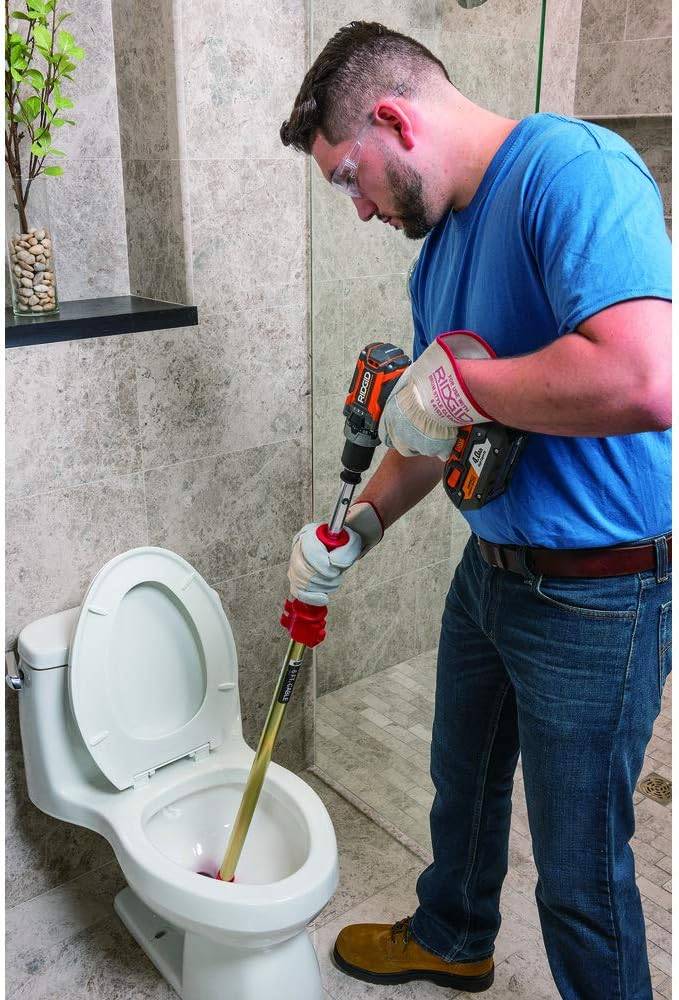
(469, 984)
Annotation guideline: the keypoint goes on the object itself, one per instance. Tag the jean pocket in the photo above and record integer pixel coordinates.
(591, 597)
(664, 644)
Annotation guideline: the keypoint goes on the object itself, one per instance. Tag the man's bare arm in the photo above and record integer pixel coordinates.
(613, 376)
(399, 483)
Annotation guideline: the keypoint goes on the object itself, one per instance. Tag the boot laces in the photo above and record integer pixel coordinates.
(401, 927)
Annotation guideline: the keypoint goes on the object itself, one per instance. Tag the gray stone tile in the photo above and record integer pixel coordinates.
(88, 220)
(248, 229)
(233, 514)
(102, 961)
(231, 383)
(145, 65)
(228, 110)
(511, 19)
(36, 927)
(345, 247)
(623, 78)
(369, 858)
(57, 541)
(253, 605)
(331, 375)
(71, 414)
(155, 229)
(421, 19)
(602, 21)
(41, 852)
(93, 88)
(560, 57)
(648, 19)
(480, 67)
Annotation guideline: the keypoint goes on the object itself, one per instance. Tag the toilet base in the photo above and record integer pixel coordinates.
(199, 969)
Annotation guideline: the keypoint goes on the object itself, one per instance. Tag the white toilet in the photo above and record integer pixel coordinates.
(130, 723)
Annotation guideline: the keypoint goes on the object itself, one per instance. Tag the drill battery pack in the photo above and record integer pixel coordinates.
(481, 464)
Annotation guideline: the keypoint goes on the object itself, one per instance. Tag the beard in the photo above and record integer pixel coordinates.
(408, 194)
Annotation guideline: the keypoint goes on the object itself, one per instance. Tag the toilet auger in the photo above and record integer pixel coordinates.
(378, 369)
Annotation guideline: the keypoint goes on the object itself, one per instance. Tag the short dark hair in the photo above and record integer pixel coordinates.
(362, 62)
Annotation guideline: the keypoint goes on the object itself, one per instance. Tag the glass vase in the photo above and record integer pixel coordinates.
(30, 251)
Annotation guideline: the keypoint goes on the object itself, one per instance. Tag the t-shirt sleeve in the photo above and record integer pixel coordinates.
(597, 233)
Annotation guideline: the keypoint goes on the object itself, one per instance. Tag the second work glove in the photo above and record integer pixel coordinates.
(313, 572)
(431, 400)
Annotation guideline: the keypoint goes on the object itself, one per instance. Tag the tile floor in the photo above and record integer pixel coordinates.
(68, 944)
(372, 742)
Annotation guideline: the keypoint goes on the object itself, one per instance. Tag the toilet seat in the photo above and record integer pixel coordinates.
(152, 666)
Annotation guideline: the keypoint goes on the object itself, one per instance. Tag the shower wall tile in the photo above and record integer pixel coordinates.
(229, 112)
(157, 252)
(329, 373)
(231, 383)
(145, 80)
(345, 247)
(421, 20)
(57, 541)
(253, 605)
(88, 220)
(93, 88)
(237, 249)
(376, 309)
(617, 78)
(560, 57)
(232, 514)
(649, 19)
(71, 414)
(603, 20)
(480, 66)
(522, 78)
(511, 19)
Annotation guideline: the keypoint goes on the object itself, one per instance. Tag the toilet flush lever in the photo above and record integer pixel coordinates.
(14, 677)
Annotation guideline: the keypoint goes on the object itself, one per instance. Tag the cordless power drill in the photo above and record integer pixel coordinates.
(480, 464)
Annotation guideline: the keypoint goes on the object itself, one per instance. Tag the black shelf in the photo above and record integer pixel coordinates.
(106, 317)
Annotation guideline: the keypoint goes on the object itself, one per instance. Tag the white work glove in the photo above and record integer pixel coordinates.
(313, 572)
(430, 400)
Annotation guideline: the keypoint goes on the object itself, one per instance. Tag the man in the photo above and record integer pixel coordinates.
(546, 240)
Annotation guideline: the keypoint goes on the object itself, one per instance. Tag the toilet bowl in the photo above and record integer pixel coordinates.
(130, 725)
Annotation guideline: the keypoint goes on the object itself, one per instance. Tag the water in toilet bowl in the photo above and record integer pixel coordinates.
(193, 831)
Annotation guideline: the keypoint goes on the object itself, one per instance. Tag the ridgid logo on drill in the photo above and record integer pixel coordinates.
(365, 385)
(447, 400)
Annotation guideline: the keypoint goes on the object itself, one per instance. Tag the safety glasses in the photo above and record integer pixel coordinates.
(344, 177)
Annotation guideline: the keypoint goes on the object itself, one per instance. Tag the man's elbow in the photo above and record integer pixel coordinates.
(654, 403)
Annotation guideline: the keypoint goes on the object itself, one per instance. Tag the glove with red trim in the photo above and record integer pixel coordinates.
(430, 400)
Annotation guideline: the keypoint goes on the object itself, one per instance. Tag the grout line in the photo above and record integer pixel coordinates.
(63, 885)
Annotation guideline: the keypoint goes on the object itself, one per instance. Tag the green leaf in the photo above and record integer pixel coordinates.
(38, 149)
(35, 16)
(58, 122)
(36, 78)
(38, 5)
(54, 171)
(77, 53)
(43, 37)
(56, 152)
(62, 102)
(16, 74)
(65, 41)
(62, 17)
(31, 108)
(20, 16)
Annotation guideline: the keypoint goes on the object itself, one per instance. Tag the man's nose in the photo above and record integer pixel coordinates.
(365, 208)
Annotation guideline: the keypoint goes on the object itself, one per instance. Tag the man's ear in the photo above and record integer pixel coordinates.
(392, 115)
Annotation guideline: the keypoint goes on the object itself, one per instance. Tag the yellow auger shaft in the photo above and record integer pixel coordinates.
(267, 742)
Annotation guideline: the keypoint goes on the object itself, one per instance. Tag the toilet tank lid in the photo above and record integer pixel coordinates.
(45, 642)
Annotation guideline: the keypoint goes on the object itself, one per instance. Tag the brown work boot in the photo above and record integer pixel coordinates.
(387, 953)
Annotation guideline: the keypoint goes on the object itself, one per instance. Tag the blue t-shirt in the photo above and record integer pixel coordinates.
(567, 220)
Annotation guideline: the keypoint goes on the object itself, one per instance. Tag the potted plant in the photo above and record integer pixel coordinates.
(37, 61)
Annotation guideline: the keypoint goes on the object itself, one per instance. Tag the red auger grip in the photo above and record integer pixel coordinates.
(304, 622)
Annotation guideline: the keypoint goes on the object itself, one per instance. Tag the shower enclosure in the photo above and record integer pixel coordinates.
(375, 670)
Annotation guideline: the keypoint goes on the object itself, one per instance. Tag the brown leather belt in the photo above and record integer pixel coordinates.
(616, 560)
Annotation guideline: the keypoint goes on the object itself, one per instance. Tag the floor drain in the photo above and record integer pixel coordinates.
(655, 787)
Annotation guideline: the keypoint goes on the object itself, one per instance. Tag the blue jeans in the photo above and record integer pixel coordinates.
(570, 672)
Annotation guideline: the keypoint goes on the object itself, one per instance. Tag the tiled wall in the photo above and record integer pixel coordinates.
(197, 439)
(624, 60)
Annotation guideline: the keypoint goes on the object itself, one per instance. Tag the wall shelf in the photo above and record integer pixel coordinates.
(106, 317)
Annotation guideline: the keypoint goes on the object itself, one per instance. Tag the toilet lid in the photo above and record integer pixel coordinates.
(152, 665)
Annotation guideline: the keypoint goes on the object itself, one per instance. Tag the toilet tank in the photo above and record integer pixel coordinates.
(56, 759)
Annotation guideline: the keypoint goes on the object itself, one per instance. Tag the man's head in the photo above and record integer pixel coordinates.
(366, 111)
